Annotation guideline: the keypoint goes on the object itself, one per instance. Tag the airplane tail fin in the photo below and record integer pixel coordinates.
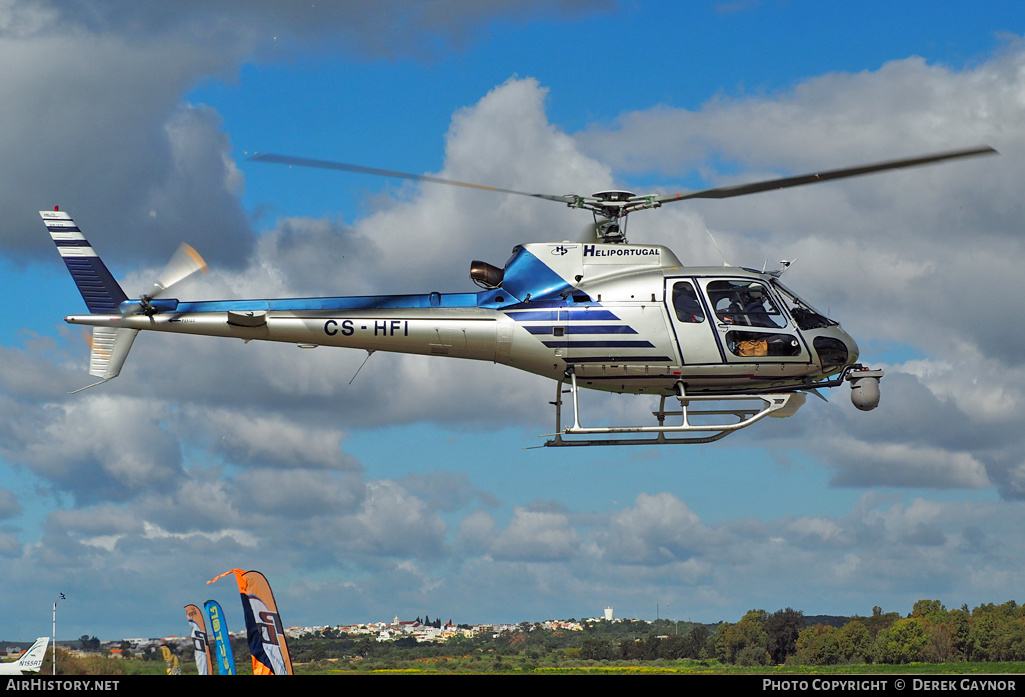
(101, 292)
(32, 660)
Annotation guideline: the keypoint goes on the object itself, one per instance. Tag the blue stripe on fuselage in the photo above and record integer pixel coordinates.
(565, 314)
(581, 329)
(598, 344)
(368, 302)
(618, 359)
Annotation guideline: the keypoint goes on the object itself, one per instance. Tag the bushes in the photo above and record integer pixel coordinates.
(930, 634)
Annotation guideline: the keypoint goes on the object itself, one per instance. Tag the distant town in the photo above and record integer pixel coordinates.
(422, 630)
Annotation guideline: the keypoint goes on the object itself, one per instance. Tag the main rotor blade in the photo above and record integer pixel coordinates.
(801, 180)
(344, 167)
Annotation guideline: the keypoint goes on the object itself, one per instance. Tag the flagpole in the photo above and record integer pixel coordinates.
(55, 632)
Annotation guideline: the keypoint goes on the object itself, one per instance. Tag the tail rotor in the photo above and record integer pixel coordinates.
(185, 262)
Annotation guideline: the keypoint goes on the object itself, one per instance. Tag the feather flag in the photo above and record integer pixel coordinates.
(170, 660)
(222, 642)
(199, 639)
(263, 624)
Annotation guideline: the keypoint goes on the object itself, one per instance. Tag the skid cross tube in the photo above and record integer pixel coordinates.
(685, 432)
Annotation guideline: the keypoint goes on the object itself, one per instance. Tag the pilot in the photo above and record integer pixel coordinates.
(754, 307)
(726, 309)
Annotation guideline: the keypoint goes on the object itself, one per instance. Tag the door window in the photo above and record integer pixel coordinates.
(745, 304)
(686, 304)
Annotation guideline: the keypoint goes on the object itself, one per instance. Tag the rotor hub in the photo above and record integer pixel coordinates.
(609, 209)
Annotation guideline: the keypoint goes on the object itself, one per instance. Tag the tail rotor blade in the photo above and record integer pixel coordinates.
(185, 262)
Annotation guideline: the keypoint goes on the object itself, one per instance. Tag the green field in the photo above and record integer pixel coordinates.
(684, 667)
(552, 665)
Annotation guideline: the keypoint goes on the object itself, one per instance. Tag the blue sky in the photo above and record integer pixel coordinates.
(412, 490)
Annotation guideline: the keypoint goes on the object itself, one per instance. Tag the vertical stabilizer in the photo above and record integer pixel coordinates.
(109, 349)
(30, 662)
(101, 292)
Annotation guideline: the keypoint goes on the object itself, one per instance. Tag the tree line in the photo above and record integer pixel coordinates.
(930, 633)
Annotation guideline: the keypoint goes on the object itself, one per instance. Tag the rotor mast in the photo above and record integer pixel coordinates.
(609, 209)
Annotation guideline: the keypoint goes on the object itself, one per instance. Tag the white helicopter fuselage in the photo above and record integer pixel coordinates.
(610, 313)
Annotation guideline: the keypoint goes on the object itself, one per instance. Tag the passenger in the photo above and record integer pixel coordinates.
(685, 302)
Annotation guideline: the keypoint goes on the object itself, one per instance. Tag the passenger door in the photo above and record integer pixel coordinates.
(690, 318)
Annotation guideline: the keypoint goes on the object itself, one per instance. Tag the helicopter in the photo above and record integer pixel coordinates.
(725, 346)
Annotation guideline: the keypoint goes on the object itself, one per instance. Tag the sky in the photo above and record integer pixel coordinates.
(416, 489)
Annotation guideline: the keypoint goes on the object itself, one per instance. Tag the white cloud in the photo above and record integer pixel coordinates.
(536, 536)
(899, 464)
(271, 438)
(9, 505)
(658, 529)
(296, 493)
(97, 448)
(477, 532)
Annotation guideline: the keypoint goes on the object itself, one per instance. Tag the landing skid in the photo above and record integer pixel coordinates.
(686, 432)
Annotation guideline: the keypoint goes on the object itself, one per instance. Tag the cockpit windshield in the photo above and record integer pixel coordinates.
(804, 314)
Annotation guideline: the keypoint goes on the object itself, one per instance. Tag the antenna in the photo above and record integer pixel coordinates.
(369, 354)
(783, 266)
(724, 262)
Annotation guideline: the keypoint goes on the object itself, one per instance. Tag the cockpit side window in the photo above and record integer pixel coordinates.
(744, 303)
(686, 304)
